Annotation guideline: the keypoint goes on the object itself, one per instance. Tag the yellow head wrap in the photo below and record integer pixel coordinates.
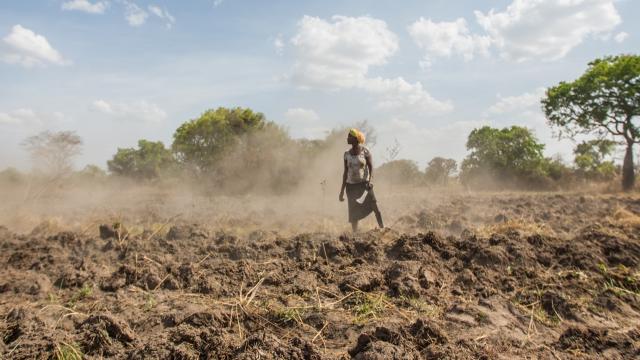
(358, 135)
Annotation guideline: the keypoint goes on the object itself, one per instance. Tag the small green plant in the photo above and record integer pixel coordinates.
(80, 295)
(368, 306)
(52, 298)
(602, 267)
(620, 280)
(66, 351)
(288, 315)
(420, 306)
(150, 302)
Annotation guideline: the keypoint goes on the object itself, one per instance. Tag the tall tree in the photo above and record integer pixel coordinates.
(604, 100)
(202, 142)
(440, 170)
(503, 154)
(53, 152)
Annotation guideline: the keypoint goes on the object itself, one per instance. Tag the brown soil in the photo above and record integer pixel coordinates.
(502, 277)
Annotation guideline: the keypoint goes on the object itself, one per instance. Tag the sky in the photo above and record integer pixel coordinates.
(423, 73)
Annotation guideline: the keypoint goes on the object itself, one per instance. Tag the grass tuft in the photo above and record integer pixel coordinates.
(64, 351)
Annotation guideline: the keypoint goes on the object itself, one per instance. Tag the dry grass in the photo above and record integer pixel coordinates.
(525, 227)
(625, 218)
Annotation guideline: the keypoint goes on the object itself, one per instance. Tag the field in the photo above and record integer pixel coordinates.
(455, 276)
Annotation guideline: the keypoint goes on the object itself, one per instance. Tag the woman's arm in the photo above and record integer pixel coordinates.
(344, 181)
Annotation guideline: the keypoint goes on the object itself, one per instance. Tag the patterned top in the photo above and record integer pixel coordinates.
(357, 170)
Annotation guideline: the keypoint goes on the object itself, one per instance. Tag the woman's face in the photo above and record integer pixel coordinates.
(351, 139)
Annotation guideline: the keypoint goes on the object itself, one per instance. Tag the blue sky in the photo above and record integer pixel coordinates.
(422, 72)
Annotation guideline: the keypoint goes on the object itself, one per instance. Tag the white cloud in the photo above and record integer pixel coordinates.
(398, 94)
(29, 117)
(445, 39)
(278, 44)
(30, 49)
(547, 29)
(103, 106)
(522, 102)
(134, 14)
(339, 53)
(621, 36)
(86, 6)
(140, 110)
(301, 115)
(163, 14)
(217, 3)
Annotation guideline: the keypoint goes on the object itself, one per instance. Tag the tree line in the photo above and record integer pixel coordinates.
(239, 148)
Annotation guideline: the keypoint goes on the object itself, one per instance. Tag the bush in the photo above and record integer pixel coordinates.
(400, 172)
(148, 161)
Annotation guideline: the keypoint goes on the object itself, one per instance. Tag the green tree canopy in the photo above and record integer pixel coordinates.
(440, 170)
(148, 161)
(503, 154)
(604, 100)
(202, 142)
(590, 159)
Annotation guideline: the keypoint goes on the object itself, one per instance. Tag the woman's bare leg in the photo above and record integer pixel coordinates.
(354, 226)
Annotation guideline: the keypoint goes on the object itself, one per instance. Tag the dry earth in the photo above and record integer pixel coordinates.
(550, 276)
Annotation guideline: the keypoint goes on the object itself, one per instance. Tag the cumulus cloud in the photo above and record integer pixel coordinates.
(339, 53)
(27, 116)
(29, 49)
(134, 15)
(301, 115)
(98, 7)
(547, 29)
(163, 14)
(140, 110)
(525, 101)
(621, 36)
(444, 39)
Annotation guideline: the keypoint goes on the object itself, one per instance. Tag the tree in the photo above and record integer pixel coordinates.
(399, 172)
(263, 160)
(590, 159)
(393, 151)
(93, 172)
(604, 100)
(557, 170)
(148, 161)
(53, 152)
(440, 170)
(202, 142)
(503, 154)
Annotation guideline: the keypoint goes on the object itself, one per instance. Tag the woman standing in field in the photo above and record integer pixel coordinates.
(356, 180)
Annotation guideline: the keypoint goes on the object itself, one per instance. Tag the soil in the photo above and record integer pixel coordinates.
(550, 276)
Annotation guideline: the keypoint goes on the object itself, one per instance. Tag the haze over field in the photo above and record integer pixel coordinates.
(423, 72)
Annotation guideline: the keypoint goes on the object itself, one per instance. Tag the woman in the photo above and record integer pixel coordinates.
(356, 179)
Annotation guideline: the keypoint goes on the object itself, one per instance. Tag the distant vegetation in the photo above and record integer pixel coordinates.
(239, 150)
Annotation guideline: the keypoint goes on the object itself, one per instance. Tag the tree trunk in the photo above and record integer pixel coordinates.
(628, 175)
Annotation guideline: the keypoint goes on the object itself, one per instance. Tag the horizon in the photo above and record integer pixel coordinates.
(426, 73)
